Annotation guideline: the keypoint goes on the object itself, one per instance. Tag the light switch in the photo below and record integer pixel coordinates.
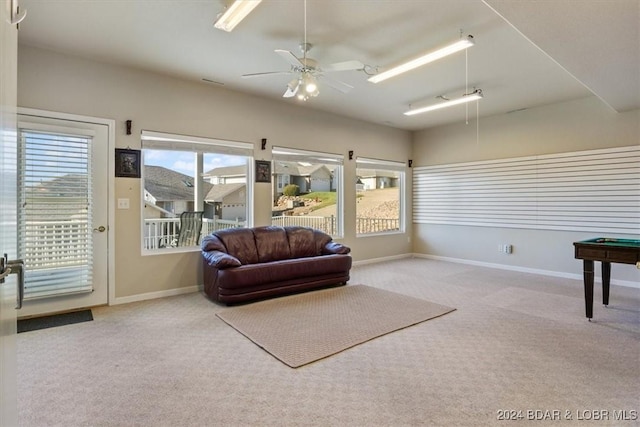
(123, 203)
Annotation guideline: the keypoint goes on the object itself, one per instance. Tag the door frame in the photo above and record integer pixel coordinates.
(111, 127)
(8, 144)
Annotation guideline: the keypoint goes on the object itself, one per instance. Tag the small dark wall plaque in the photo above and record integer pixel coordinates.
(127, 163)
(263, 171)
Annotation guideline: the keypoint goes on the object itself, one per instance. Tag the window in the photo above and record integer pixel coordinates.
(55, 214)
(190, 174)
(379, 196)
(308, 190)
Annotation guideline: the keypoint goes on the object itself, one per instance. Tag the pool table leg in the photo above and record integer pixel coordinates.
(588, 287)
(606, 277)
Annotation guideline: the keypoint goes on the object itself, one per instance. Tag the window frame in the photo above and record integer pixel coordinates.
(390, 165)
(285, 154)
(198, 146)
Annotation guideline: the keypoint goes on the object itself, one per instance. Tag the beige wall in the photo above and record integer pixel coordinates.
(55, 82)
(578, 125)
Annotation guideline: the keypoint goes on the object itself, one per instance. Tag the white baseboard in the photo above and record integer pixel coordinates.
(190, 289)
(154, 295)
(383, 259)
(562, 274)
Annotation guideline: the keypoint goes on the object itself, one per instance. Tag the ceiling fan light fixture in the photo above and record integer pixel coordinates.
(235, 13)
(468, 97)
(310, 84)
(461, 44)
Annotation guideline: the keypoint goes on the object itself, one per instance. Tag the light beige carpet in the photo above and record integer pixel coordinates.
(303, 328)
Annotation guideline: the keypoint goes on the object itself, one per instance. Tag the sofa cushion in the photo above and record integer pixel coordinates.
(320, 239)
(302, 242)
(221, 260)
(271, 243)
(335, 248)
(301, 269)
(240, 243)
(211, 242)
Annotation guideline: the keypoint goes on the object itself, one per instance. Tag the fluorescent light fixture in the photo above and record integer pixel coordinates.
(476, 94)
(424, 59)
(235, 13)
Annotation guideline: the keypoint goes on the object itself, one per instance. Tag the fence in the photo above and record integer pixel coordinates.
(376, 225)
(163, 232)
(324, 223)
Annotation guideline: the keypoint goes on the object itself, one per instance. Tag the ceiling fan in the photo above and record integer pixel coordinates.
(308, 72)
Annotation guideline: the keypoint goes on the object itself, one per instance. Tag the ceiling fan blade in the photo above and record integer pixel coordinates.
(268, 73)
(289, 57)
(344, 66)
(289, 93)
(336, 84)
(292, 88)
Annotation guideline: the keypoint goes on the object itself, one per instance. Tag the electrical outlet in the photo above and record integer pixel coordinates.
(505, 248)
(123, 203)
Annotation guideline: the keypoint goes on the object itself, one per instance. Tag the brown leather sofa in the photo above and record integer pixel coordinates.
(244, 264)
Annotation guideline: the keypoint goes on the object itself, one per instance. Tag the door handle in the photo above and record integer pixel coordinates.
(15, 266)
(5, 273)
(101, 229)
(17, 16)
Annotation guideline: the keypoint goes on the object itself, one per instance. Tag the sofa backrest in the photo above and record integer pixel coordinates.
(305, 241)
(240, 243)
(269, 243)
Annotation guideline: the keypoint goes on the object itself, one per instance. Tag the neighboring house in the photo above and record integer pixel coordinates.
(228, 201)
(308, 177)
(61, 199)
(168, 193)
(373, 179)
(226, 175)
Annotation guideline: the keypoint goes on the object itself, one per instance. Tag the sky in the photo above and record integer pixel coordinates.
(183, 162)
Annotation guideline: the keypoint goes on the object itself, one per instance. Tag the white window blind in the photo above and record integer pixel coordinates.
(365, 163)
(54, 215)
(303, 156)
(167, 141)
(596, 191)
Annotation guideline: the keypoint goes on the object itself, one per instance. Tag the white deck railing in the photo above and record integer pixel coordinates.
(324, 223)
(163, 232)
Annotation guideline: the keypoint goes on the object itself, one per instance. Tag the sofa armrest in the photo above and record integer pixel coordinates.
(220, 260)
(335, 248)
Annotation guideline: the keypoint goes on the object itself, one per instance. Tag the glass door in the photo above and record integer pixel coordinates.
(62, 215)
(8, 90)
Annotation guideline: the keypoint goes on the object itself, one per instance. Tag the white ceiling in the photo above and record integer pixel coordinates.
(527, 53)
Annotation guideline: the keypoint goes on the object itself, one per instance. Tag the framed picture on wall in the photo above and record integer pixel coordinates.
(263, 171)
(127, 163)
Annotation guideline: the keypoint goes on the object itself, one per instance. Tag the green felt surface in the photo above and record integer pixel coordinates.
(613, 242)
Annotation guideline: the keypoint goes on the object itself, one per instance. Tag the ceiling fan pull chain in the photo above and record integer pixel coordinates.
(304, 50)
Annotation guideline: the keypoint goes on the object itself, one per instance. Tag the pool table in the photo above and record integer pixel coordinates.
(605, 250)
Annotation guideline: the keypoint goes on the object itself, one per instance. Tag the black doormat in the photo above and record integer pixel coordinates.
(33, 324)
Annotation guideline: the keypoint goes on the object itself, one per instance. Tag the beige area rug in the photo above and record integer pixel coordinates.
(301, 329)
